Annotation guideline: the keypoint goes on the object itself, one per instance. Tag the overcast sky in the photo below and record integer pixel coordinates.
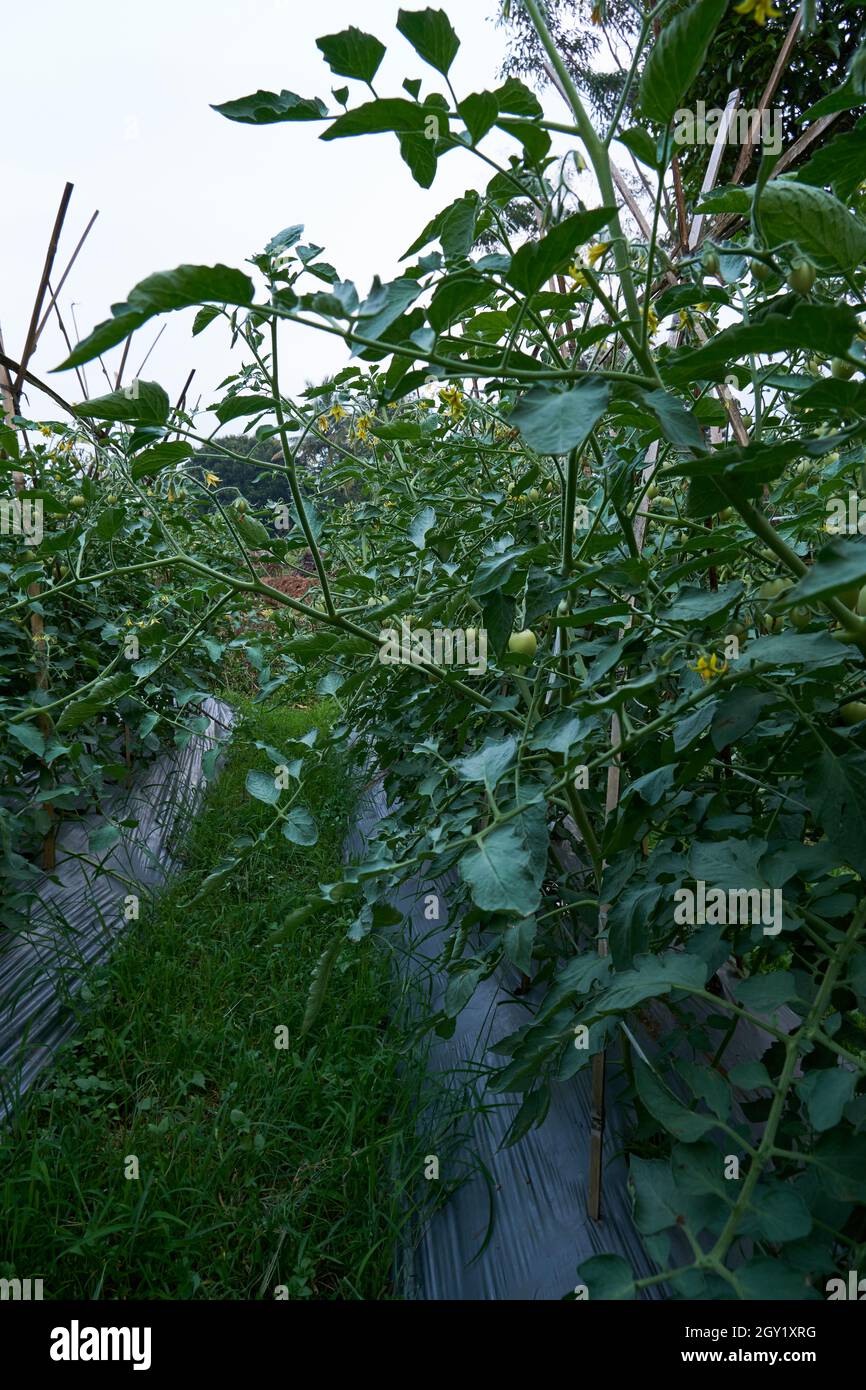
(116, 99)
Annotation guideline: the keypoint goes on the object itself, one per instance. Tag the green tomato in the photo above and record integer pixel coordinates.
(241, 505)
(665, 504)
(842, 370)
(77, 502)
(712, 264)
(759, 270)
(854, 712)
(772, 588)
(800, 617)
(523, 644)
(802, 275)
(727, 514)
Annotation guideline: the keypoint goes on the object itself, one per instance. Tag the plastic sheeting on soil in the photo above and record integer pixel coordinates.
(541, 1230)
(80, 907)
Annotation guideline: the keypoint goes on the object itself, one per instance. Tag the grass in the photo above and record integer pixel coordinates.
(262, 1171)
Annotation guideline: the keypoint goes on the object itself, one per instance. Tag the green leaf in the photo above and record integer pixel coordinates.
(204, 317)
(490, 763)
(144, 403)
(737, 713)
(664, 1107)
(104, 693)
(263, 786)
(839, 565)
(431, 35)
(766, 1280)
(693, 605)
(159, 294)
(319, 983)
(750, 1076)
(420, 525)
(820, 225)
(479, 112)
(839, 163)
(352, 53)
(536, 261)
(651, 978)
(677, 423)
(766, 993)
(375, 117)
(299, 826)
(826, 1093)
(559, 732)
(554, 422)
(677, 57)
(532, 1112)
(607, 1277)
(385, 304)
(499, 875)
(233, 407)
(106, 837)
(160, 456)
(519, 939)
(264, 108)
(29, 735)
(819, 327)
(835, 789)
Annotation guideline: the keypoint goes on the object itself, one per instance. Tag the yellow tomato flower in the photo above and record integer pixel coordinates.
(652, 320)
(452, 398)
(211, 479)
(760, 10)
(576, 275)
(362, 426)
(46, 430)
(337, 413)
(708, 667)
(323, 423)
(595, 253)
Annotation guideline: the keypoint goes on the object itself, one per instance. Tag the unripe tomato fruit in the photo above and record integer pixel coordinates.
(800, 617)
(842, 370)
(712, 264)
(523, 644)
(802, 275)
(854, 712)
(77, 502)
(759, 270)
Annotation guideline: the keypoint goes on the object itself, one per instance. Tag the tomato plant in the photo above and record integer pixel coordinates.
(672, 696)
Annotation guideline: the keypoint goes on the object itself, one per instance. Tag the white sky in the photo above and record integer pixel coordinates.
(116, 98)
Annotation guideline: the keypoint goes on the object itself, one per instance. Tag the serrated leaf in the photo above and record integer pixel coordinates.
(352, 53)
(263, 786)
(265, 108)
(555, 422)
(431, 35)
(498, 871)
(299, 827)
(159, 294)
(677, 57)
(144, 403)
